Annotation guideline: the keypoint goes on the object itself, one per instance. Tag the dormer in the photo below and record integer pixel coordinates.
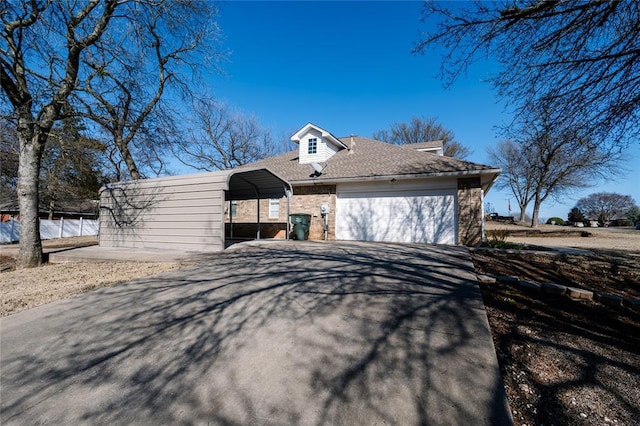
(434, 147)
(316, 145)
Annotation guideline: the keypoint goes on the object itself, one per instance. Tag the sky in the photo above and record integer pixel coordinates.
(348, 68)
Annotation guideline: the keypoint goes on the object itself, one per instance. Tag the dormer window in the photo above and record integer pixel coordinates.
(313, 146)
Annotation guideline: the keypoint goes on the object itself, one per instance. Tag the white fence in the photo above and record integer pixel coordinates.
(10, 231)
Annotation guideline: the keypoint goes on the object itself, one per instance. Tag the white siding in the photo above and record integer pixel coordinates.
(420, 211)
(324, 152)
(182, 212)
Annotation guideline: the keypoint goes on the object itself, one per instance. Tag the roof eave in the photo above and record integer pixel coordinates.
(465, 173)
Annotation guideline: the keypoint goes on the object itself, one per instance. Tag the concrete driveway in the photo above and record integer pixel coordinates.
(289, 333)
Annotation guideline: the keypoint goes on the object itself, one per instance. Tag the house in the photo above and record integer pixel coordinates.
(354, 188)
(357, 188)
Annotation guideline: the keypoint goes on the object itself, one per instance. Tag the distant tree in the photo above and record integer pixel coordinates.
(9, 158)
(575, 216)
(71, 171)
(581, 55)
(224, 139)
(605, 206)
(559, 156)
(517, 172)
(633, 214)
(422, 129)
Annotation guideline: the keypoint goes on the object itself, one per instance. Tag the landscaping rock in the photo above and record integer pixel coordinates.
(529, 286)
(609, 299)
(486, 279)
(578, 293)
(507, 279)
(552, 288)
(632, 303)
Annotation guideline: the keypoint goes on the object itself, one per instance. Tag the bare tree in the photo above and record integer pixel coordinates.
(131, 71)
(561, 156)
(223, 139)
(422, 129)
(517, 174)
(582, 55)
(40, 51)
(119, 57)
(605, 206)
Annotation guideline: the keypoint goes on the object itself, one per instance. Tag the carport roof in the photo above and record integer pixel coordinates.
(239, 184)
(250, 184)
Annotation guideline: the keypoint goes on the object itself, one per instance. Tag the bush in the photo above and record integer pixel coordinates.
(497, 239)
(555, 221)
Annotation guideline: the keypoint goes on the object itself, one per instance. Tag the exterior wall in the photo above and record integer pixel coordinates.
(324, 152)
(245, 223)
(470, 219)
(309, 199)
(306, 199)
(181, 212)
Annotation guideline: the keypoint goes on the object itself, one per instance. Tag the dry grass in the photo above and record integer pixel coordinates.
(28, 288)
(627, 239)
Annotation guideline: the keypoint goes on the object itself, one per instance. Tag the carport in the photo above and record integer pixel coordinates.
(185, 212)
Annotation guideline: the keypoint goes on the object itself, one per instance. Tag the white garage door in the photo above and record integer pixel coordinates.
(396, 216)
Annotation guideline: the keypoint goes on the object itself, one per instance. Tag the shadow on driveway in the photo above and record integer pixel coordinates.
(314, 334)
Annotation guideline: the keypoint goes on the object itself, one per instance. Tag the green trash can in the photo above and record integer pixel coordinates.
(301, 224)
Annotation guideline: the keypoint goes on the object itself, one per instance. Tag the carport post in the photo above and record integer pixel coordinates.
(258, 203)
(230, 218)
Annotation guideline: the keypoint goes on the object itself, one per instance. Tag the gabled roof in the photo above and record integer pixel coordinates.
(325, 134)
(368, 159)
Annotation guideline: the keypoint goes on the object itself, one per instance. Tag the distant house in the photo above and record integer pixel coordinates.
(357, 188)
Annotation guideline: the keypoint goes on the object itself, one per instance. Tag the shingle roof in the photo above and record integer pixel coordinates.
(368, 158)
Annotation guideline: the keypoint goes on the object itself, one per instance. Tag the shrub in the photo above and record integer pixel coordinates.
(555, 221)
(497, 239)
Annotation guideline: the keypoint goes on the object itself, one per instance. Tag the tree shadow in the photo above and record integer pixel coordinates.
(578, 357)
(402, 219)
(308, 333)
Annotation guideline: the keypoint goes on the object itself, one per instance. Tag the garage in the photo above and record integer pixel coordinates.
(397, 212)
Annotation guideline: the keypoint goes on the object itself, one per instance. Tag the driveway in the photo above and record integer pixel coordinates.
(287, 333)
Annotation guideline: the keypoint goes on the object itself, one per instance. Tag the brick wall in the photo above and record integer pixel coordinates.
(469, 211)
(306, 199)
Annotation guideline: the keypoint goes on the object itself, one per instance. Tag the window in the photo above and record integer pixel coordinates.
(233, 210)
(313, 146)
(274, 208)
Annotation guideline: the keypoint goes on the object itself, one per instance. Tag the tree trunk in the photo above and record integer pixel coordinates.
(132, 167)
(523, 212)
(52, 208)
(30, 253)
(536, 211)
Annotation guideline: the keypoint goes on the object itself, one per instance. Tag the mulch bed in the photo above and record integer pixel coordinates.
(563, 361)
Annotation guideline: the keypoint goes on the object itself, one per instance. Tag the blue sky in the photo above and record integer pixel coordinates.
(348, 67)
